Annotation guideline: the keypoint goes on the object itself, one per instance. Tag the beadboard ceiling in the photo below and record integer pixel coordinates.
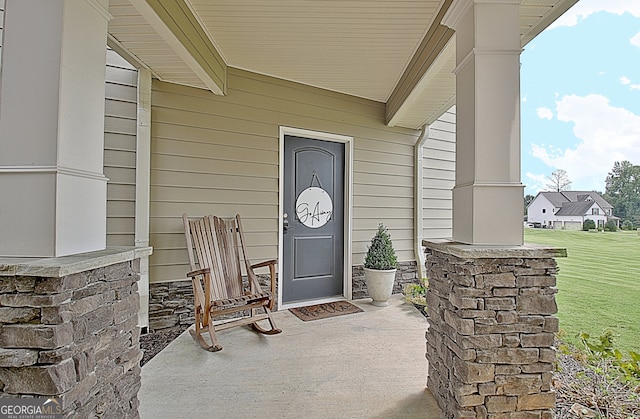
(356, 47)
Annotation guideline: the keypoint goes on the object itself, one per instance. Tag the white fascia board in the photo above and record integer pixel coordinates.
(170, 38)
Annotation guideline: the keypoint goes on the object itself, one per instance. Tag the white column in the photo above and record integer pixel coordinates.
(143, 175)
(52, 186)
(488, 195)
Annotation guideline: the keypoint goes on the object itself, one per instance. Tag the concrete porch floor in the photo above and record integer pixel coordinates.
(364, 365)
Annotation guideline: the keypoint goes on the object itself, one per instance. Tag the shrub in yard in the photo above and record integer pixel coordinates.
(588, 224)
(417, 293)
(597, 381)
(610, 226)
(625, 368)
(627, 225)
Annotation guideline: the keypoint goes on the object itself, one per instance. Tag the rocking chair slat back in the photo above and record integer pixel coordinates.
(205, 243)
(216, 252)
(226, 232)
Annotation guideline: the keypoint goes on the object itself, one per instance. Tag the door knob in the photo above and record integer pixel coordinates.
(285, 222)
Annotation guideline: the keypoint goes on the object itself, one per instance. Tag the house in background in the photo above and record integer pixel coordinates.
(567, 210)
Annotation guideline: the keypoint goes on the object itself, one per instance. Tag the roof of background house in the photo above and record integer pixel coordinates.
(559, 199)
(574, 196)
(575, 208)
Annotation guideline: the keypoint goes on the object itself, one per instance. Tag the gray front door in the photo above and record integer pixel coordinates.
(313, 242)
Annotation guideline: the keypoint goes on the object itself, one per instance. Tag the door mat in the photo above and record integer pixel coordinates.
(326, 310)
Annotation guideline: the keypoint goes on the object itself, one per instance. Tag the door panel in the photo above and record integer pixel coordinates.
(313, 241)
(321, 264)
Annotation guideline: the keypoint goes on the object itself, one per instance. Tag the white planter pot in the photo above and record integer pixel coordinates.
(380, 285)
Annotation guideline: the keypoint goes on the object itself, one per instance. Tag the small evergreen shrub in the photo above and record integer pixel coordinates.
(627, 225)
(588, 225)
(381, 254)
(610, 226)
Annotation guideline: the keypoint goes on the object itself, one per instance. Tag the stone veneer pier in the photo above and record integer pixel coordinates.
(491, 329)
(69, 330)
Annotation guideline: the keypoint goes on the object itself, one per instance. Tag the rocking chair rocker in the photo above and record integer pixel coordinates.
(214, 246)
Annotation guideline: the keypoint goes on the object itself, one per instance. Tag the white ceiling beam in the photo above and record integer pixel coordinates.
(172, 39)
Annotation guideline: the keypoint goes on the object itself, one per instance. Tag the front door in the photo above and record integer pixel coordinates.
(313, 217)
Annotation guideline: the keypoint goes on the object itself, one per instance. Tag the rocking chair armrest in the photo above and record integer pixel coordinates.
(272, 273)
(199, 294)
(264, 264)
(203, 271)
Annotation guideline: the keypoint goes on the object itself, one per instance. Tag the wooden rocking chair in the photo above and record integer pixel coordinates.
(216, 250)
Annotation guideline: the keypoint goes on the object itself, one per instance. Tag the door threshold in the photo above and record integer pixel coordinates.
(304, 303)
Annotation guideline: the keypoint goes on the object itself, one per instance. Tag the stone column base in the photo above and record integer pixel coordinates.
(69, 331)
(491, 329)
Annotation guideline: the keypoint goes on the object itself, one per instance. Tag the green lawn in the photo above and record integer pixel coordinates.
(598, 283)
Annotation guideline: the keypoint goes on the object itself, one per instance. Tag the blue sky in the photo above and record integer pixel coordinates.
(580, 90)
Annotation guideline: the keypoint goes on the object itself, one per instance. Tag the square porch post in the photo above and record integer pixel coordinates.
(488, 194)
(491, 299)
(69, 306)
(52, 183)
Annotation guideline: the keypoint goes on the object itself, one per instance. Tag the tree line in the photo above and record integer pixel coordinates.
(622, 190)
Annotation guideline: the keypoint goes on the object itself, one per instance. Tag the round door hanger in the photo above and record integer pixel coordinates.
(314, 207)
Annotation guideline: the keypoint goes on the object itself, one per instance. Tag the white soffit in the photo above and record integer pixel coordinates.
(133, 33)
(357, 47)
(536, 15)
(435, 93)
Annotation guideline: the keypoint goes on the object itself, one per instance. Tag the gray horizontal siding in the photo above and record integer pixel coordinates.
(120, 149)
(439, 161)
(213, 154)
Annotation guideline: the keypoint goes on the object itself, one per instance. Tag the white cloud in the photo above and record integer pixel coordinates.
(627, 82)
(536, 183)
(584, 8)
(544, 113)
(606, 133)
(635, 40)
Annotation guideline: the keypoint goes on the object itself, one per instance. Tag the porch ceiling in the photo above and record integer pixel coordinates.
(391, 51)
